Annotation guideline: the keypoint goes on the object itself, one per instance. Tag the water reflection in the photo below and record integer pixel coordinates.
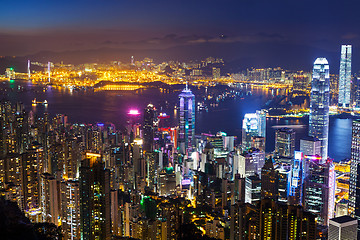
(91, 107)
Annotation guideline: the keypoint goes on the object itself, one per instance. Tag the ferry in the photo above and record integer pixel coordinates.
(35, 102)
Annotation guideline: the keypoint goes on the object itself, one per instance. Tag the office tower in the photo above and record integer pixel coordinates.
(252, 189)
(357, 91)
(297, 179)
(343, 228)
(284, 178)
(228, 143)
(259, 143)
(70, 209)
(254, 125)
(150, 119)
(271, 220)
(49, 199)
(345, 76)
(32, 168)
(249, 162)
(285, 142)
(10, 169)
(151, 170)
(319, 104)
(215, 73)
(244, 221)
(95, 220)
(239, 189)
(10, 73)
(310, 146)
(187, 120)
(342, 208)
(269, 180)
(282, 221)
(301, 81)
(319, 189)
(10, 178)
(354, 187)
(72, 158)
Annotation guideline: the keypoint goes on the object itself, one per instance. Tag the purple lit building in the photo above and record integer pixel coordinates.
(187, 120)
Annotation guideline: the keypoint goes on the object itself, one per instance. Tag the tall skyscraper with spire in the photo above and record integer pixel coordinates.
(149, 127)
(345, 76)
(319, 104)
(187, 120)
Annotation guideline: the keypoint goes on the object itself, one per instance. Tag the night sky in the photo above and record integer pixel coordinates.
(256, 33)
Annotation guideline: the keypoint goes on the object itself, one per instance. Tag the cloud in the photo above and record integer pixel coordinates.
(350, 36)
(109, 42)
(174, 39)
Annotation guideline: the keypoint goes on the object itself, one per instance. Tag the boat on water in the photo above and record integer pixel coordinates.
(35, 102)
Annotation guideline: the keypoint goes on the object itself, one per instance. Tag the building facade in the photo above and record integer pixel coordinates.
(354, 187)
(254, 125)
(150, 119)
(343, 228)
(94, 199)
(345, 76)
(285, 142)
(319, 104)
(187, 120)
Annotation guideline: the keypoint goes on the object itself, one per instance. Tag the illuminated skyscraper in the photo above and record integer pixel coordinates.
(187, 120)
(354, 187)
(250, 162)
(297, 179)
(310, 146)
(345, 76)
(70, 209)
(149, 127)
(95, 206)
(319, 189)
(285, 142)
(319, 104)
(32, 167)
(49, 199)
(254, 125)
(269, 180)
(343, 227)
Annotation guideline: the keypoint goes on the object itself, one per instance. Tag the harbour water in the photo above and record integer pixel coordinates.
(112, 106)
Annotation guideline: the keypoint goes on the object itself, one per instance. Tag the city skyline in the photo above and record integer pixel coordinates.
(178, 120)
(125, 29)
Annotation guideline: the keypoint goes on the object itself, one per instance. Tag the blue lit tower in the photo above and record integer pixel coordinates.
(345, 76)
(319, 104)
(187, 120)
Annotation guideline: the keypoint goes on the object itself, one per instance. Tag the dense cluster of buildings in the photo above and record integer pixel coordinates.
(152, 180)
